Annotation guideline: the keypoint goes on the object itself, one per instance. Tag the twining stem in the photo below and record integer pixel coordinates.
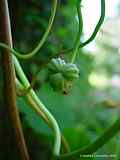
(97, 28)
(44, 110)
(36, 108)
(9, 81)
(26, 84)
(41, 42)
(92, 148)
(77, 41)
(92, 37)
(98, 143)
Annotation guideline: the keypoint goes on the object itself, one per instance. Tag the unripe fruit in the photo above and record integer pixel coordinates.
(62, 75)
(57, 81)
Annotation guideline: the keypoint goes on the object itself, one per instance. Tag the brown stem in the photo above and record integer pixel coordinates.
(9, 81)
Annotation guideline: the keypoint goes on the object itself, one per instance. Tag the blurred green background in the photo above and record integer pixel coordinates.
(94, 102)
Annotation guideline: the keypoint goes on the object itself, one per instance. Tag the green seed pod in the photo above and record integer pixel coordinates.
(57, 82)
(70, 72)
(62, 75)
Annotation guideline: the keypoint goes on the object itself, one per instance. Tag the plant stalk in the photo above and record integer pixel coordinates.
(9, 80)
(93, 147)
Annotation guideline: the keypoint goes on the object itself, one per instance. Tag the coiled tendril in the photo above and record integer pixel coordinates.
(62, 75)
(42, 40)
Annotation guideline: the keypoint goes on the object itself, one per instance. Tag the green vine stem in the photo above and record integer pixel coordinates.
(42, 41)
(43, 109)
(32, 102)
(92, 37)
(92, 148)
(97, 28)
(21, 91)
(9, 80)
(26, 83)
(77, 41)
(98, 143)
(36, 108)
(41, 114)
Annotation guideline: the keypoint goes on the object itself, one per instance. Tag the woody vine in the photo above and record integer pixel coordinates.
(61, 77)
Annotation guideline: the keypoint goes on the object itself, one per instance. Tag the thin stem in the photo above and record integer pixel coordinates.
(92, 148)
(92, 37)
(77, 41)
(9, 81)
(36, 108)
(24, 91)
(98, 143)
(42, 41)
(65, 144)
(42, 107)
(32, 103)
(100, 22)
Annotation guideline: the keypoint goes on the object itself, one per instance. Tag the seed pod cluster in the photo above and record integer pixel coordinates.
(62, 75)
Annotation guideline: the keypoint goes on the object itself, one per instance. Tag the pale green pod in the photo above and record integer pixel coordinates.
(71, 76)
(56, 64)
(62, 75)
(57, 82)
(70, 72)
